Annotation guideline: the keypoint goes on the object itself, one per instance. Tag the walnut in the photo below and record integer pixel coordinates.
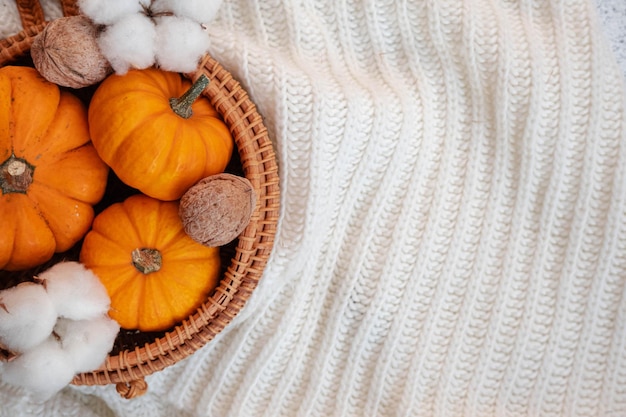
(216, 209)
(66, 53)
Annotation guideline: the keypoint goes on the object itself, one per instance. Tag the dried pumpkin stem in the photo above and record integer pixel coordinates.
(16, 175)
(182, 105)
(146, 260)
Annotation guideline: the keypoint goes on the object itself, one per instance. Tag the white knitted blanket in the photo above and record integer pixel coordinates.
(452, 239)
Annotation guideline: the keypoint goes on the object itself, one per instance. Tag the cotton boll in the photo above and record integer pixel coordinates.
(201, 11)
(27, 316)
(181, 43)
(44, 370)
(107, 12)
(129, 43)
(87, 341)
(75, 291)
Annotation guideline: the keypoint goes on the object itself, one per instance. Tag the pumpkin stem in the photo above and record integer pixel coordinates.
(182, 105)
(146, 260)
(15, 175)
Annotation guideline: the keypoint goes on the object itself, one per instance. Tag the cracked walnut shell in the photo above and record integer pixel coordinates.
(66, 53)
(216, 209)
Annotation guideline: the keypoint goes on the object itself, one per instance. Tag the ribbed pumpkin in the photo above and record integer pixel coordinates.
(157, 133)
(154, 273)
(50, 174)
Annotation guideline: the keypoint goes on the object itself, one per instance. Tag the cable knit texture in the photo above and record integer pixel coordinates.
(452, 240)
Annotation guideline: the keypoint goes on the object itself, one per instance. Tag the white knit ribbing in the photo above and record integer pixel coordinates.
(452, 239)
(10, 19)
(514, 130)
(51, 9)
(603, 191)
(480, 292)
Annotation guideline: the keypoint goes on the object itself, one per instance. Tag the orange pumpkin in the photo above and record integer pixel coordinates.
(50, 173)
(157, 133)
(154, 273)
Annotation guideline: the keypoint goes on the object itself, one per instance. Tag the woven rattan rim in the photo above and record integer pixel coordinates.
(128, 368)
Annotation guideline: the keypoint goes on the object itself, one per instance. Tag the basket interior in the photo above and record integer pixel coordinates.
(137, 354)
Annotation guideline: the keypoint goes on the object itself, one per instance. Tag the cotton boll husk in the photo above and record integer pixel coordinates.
(75, 291)
(43, 370)
(87, 341)
(107, 12)
(129, 43)
(181, 43)
(27, 316)
(201, 11)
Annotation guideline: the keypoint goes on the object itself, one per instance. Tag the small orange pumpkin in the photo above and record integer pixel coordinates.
(50, 174)
(154, 273)
(156, 131)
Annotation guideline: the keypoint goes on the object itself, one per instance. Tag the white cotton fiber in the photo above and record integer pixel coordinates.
(44, 370)
(201, 11)
(129, 43)
(106, 12)
(181, 43)
(87, 341)
(75, 291)
(27, 316)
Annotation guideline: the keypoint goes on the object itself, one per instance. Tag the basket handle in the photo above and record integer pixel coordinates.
(31, 12)
(69, 8)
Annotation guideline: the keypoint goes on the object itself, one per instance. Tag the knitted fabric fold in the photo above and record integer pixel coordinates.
(452, 240)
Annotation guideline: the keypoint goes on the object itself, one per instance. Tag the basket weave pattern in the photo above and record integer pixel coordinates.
(128, 367)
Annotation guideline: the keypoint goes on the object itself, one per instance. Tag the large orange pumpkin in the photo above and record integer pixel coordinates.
(153, 141)
(50, 174)
(154, 273)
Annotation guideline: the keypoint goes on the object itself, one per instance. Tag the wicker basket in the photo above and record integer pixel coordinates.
(137, 355)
